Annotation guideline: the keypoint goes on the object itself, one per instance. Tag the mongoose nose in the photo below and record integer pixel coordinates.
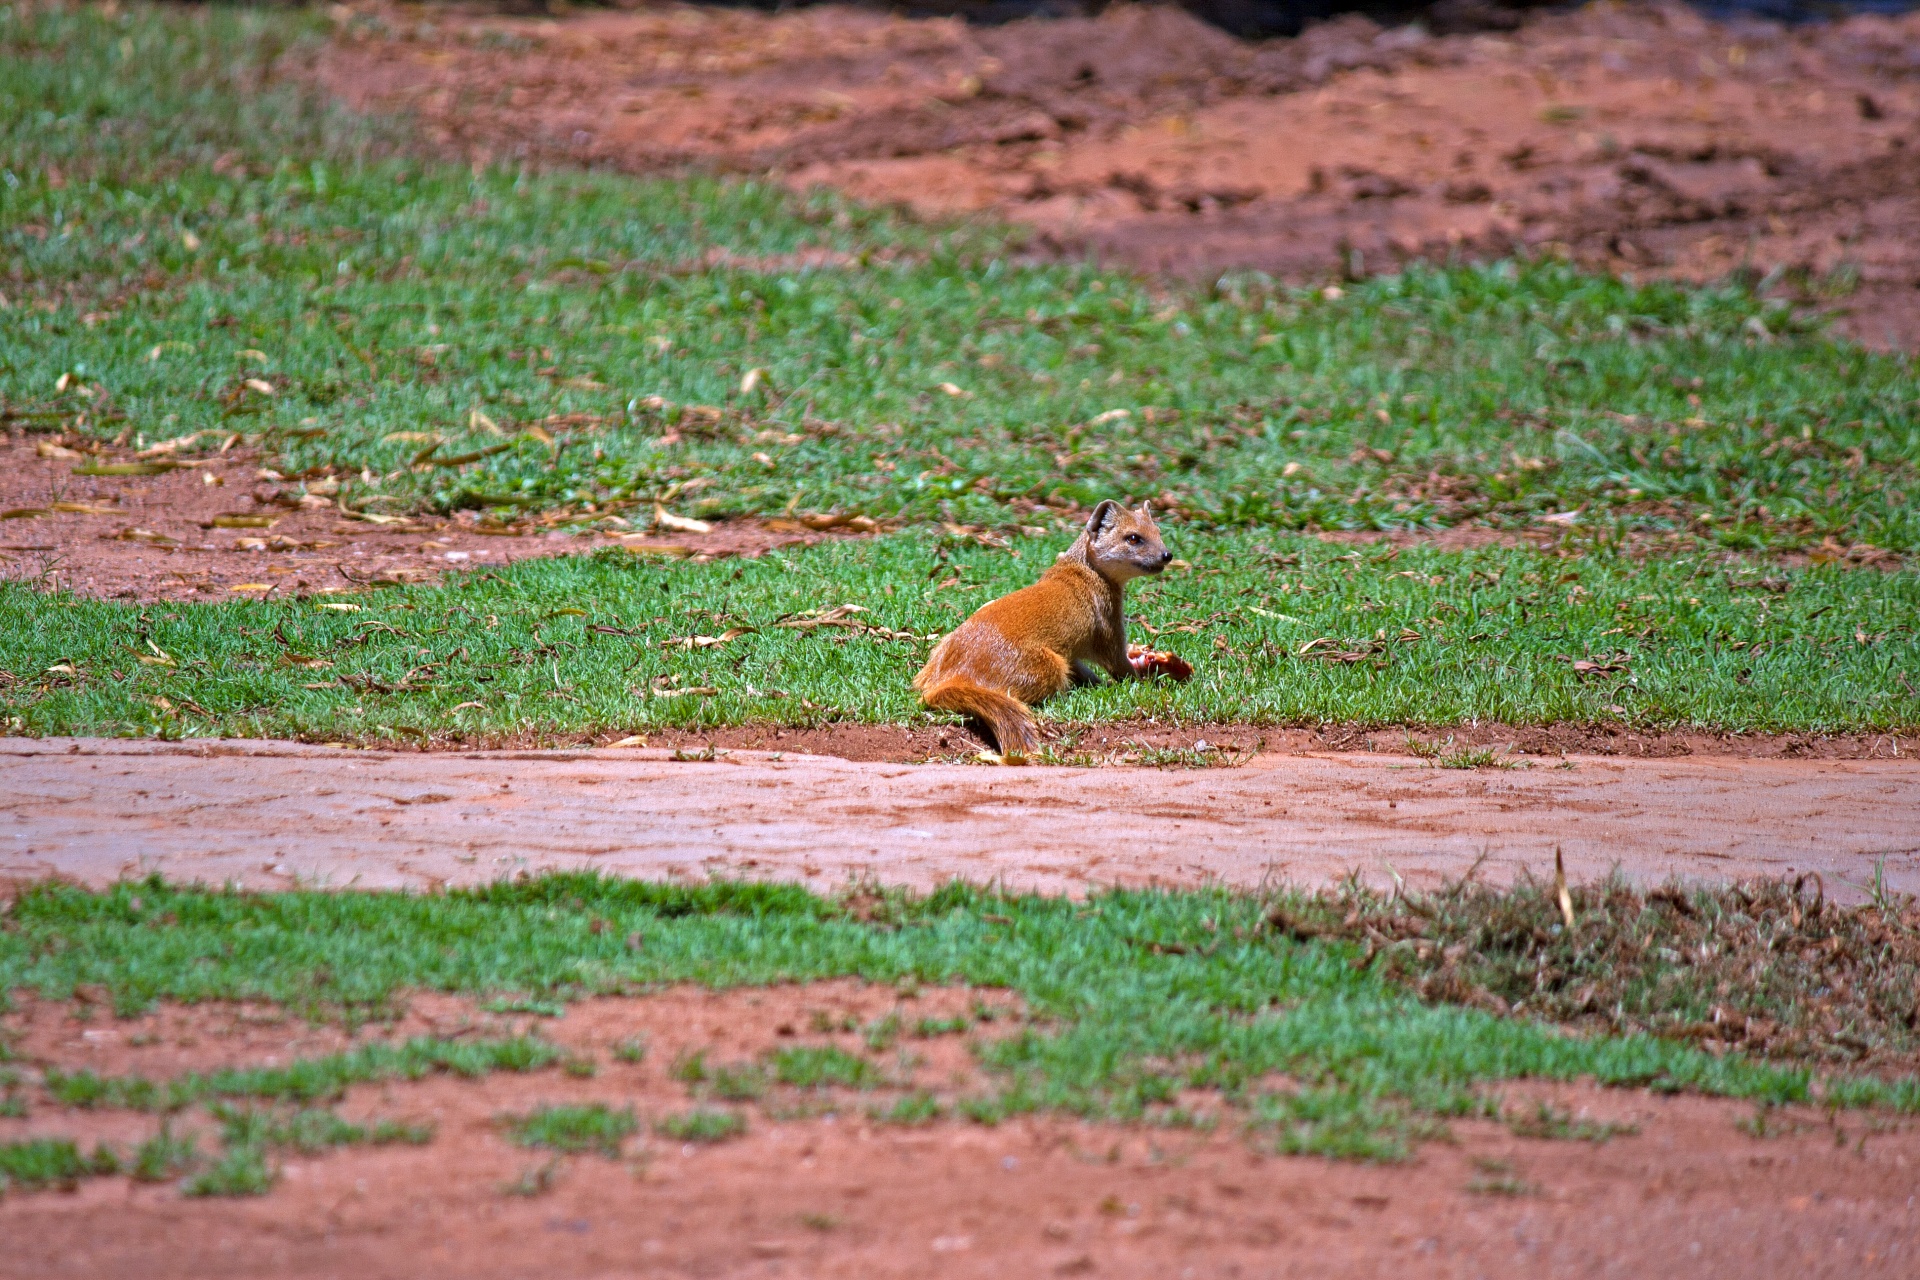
(1165, 555)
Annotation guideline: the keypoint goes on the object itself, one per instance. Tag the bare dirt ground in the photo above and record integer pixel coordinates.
(1634, 138)
(282, 814)
(222, 527)
(816, 1188)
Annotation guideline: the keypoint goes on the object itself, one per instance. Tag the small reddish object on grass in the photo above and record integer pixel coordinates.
(1158, 662)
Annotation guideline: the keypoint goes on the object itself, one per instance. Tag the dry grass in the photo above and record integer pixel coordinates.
(1768, 967)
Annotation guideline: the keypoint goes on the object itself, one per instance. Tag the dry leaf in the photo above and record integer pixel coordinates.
(665, 550)
(241, 522)
(261, 385)
(665, 519)
(250, 586)
(169, 446)
(751, 380)
(411, 437)
(840, 520)
(48, 449)
(694, 691)
(952, 390)
(637, 740)
(143, 535)
(190, 241)
(86, 509)
(691, 643)
(478, 421)
(339, 606)
(23, 513)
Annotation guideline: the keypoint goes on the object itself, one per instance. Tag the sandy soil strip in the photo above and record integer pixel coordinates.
(273, 814)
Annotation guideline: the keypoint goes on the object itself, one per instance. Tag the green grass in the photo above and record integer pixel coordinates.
(50, 1162)
(164, 1156)
(703, 1124)
(821, 1067)
(1282, 629)
(309, 1130)
(162, 181)
(592, 1126)
(304, 1080)
(240, 1171)
(1131, 998)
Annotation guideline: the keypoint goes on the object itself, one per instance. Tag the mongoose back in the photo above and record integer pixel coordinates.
(1025, 647)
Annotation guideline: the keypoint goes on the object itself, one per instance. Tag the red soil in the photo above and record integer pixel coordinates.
(815, 1194)
(153, 538)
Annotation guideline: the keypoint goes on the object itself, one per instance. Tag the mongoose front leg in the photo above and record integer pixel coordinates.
(1084, 674)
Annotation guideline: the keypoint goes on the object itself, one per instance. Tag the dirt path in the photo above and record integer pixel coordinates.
(273, 814)
(1636, 138)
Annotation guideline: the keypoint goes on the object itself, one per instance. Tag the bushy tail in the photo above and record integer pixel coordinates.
(1014, 732)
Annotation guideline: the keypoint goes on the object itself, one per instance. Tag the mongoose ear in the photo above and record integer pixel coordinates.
(1102, 514)
(1146, 508)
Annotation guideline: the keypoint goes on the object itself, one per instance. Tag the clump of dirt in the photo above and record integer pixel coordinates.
(219, 525)
(1633, 138)
(1767, 967)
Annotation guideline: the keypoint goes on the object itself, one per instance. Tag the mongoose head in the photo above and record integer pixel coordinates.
(1124, 542)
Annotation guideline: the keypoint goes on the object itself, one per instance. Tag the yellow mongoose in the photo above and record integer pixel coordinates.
(1028, 646)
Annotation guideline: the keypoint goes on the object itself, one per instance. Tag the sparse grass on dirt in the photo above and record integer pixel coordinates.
(592, 1126)
(304, 1080)
(1282, 629)
(702, 1124)
(194, 247)
(1325, 1037)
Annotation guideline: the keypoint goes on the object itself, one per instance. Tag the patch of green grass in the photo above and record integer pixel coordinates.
(50, 1162)
(916, 1108)
(822, 1066)
(309, 1130)
(164, 1157)
(1132, 997)
(1357, 1123)
(306, 1079)
(240, 1171)
(703, 1124)
(394, 299)
(13, 1107)
(632, 1050)
(1283, 630)
(588, 1127)
(728, 1081)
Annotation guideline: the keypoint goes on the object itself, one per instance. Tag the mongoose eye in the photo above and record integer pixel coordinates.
(1133, 537)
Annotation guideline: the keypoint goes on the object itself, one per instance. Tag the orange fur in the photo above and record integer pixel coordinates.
(1027, 646)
